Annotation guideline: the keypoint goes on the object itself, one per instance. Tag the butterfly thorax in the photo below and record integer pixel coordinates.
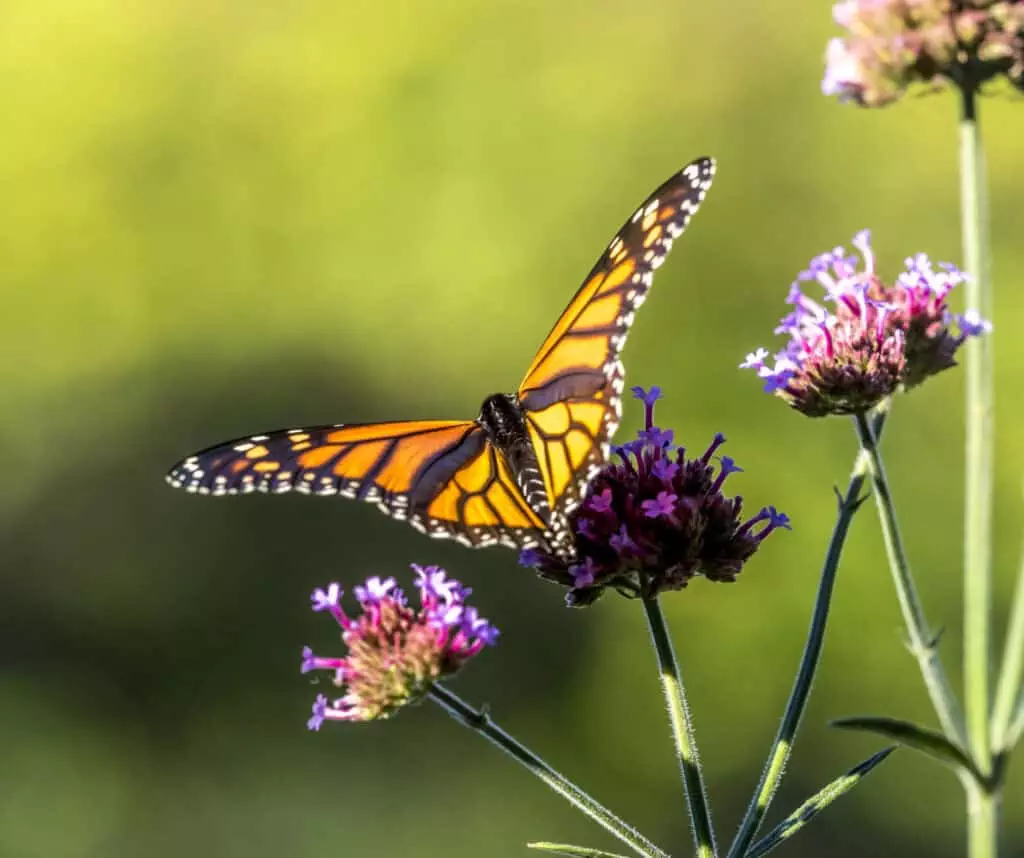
(501, 417)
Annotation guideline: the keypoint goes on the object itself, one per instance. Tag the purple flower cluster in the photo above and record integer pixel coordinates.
(654, 519)
(892, 44)
(395, 653)
(876, 339)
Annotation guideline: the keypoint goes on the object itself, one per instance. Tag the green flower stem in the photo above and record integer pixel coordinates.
(1010, 689)
(782, 747)
(481, 723)
(979, 438)
(923, 642)
(982, 821)
(682, 731)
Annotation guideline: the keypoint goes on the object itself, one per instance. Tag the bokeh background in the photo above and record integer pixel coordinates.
(226, 217)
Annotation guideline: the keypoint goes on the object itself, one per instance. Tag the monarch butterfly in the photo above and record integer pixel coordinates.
(512, 475)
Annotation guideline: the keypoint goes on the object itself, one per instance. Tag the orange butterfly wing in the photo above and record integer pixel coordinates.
(442, 476)
(572, 390)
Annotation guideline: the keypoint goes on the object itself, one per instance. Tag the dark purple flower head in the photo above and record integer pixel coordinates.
(395, 653)
(873, 339)
(653, 519)
(891, 45)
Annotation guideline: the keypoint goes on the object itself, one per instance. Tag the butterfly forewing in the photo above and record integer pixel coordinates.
(443, 476)
(578, 367)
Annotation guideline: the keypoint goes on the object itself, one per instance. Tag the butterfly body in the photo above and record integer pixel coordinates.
(513, 475)
(503, 418)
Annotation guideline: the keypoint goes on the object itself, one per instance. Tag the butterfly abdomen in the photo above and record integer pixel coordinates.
(501, 417)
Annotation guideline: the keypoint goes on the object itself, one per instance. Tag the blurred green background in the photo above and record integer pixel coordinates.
(222, 218)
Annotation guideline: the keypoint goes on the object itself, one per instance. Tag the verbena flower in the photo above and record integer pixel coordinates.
(875, 338)
(395, 653)
(891, 44)
(653, 519)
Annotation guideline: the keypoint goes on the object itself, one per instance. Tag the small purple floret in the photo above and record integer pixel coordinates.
(778, 519)
(665, 470)
(663, 506)
(648, 398)
(601, 502)
(621, 542)
(376, 589)
(584, 573)
(308, 659)
(755, 360)
(325, 599)
(972, 325)
(319, 713)
(656, 437)
(729, 466)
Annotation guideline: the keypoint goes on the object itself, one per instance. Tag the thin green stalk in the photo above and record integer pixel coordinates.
(1011, 675)
(682, 732)
(983, 821)
(481, 723)
(979, 439)
(782, 747)
(923, 642)
(982, 804)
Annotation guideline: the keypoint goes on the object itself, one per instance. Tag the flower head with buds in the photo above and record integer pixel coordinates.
(891, 44)
(874, 340)
(655, 519)
(395, 653)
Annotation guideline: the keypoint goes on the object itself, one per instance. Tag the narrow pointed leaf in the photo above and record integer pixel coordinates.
(1011, 675)
(929, 742)
(815, 804)
(1017, 727)
(572, 851)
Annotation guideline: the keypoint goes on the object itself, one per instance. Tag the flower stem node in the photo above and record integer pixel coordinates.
(395, 653)
(653, 519)
(867, 339)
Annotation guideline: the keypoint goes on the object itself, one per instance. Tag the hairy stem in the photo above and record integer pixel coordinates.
(682, 731)
(923, 642)
(480, 723)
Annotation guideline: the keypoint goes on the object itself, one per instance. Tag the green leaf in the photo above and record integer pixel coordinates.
(572, 851)
(927, 741)
(815, 804)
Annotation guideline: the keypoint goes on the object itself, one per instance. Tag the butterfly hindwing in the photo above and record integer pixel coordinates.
(569, 437)
(578, 368)
(443, 476)
(480, 504)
